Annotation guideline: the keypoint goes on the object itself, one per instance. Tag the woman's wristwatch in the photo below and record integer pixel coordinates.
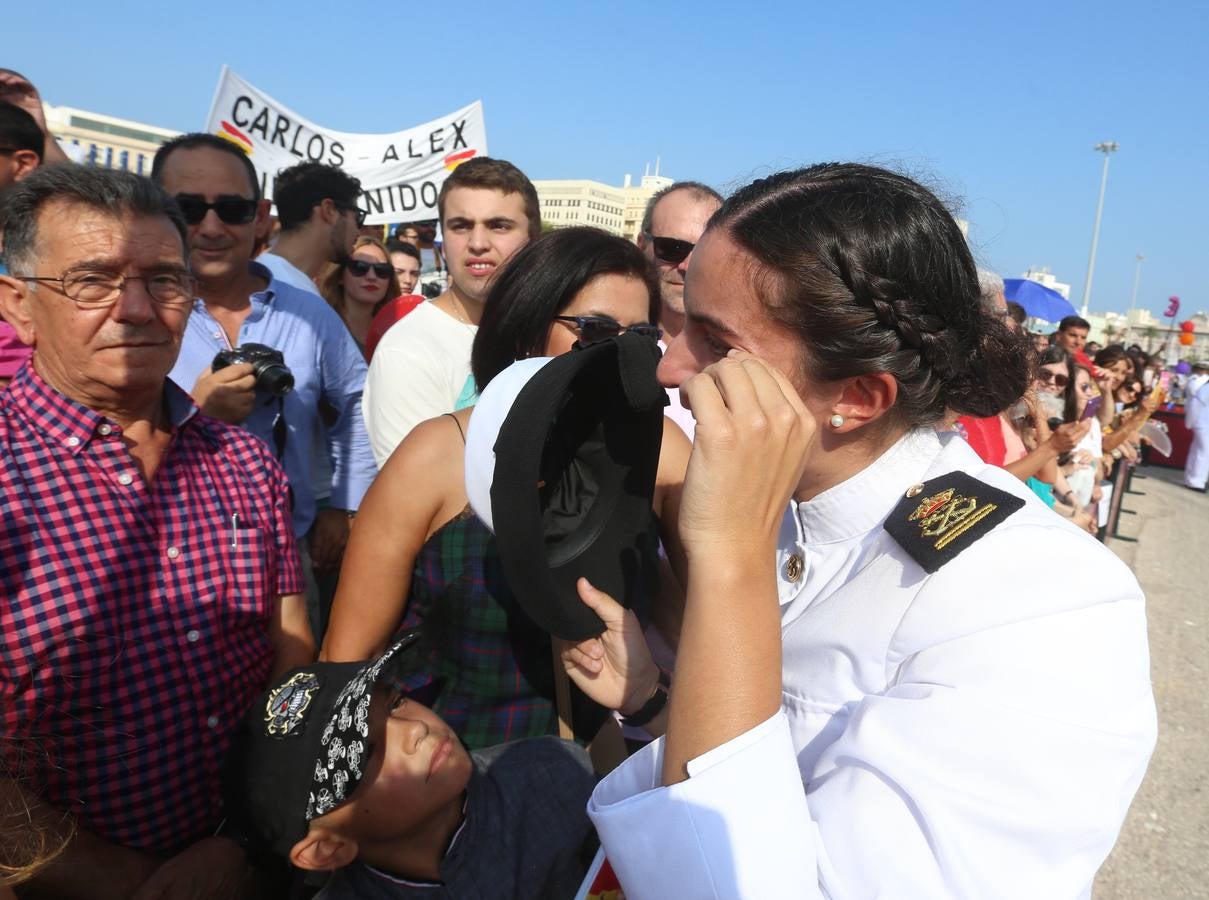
(653, 707)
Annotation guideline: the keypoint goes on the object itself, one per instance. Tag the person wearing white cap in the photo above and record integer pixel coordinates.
(871, 696)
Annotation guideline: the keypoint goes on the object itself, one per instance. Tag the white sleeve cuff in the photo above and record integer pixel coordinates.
(738, 827)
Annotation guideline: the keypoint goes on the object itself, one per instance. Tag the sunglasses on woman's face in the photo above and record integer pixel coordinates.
(593, 329)
(1059, 380)
(230, 210)
(359, 269)
(672, 251)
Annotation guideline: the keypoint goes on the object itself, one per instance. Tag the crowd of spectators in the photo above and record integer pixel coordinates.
(208, 451)
(1080, 420)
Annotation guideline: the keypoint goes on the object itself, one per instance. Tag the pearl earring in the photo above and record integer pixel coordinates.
(836, 421)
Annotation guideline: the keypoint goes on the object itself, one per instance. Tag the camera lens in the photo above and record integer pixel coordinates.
(274, 378)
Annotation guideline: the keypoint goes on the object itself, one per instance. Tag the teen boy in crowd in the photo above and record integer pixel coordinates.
(421, 368)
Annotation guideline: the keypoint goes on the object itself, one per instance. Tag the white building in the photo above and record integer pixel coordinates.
(636, 199)
(100, 140)
(1044, 277)
(581, 201)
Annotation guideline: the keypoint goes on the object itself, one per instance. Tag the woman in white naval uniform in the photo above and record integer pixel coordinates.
(939, 688)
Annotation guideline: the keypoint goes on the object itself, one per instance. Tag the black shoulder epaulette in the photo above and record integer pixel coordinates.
(941, 517)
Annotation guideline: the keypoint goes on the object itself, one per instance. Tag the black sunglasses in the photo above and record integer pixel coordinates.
(593, 329)
(670, 250)
(1057, 378)
(359, 268)
(230, 210)
(361, 214)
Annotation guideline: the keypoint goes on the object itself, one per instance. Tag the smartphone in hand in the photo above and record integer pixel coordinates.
(1092, 409)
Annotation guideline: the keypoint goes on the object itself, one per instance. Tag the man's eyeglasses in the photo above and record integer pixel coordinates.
(593, 329)
(1057, 378)
(359, 268)
(672, 251)
(96, 290)
(360, 213)
(230, 210)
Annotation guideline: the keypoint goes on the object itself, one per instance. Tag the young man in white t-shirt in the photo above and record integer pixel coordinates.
(488, 210)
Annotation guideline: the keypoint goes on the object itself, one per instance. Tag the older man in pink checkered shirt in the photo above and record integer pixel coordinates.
(148, 567)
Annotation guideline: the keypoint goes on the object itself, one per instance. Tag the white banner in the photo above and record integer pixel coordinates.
(400, 173)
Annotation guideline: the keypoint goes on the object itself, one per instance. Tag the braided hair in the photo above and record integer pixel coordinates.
(873, 274)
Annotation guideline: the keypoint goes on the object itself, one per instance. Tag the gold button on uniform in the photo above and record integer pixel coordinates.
(793, 568)
(915, 490)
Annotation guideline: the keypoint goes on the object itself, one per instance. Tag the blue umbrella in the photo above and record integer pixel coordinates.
(1038, 301)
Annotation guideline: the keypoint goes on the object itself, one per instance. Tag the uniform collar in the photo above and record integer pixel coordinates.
(72, 424)
(860, 504)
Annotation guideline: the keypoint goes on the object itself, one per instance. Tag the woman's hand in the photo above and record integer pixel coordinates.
(616, 669)
(1066, 437)
(1036, 417)
(750, 448)
(1082, 459)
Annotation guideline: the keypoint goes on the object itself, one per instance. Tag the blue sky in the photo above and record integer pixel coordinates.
(998, 105)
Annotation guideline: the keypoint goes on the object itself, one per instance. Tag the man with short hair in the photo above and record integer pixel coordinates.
(320, 220)
(406, 261)
(674, 221)
(21, 143)
(1072, 336)
(147, 562)
(408, 234)
(21, 148)
(17, 90)
(240, 303)
(421, 368)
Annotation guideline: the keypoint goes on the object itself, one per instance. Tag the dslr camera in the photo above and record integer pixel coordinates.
(268, 366)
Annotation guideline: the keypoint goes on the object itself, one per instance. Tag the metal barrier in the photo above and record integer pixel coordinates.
(1121, 477)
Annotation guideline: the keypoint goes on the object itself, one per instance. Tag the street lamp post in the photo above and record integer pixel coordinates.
(1107, 148)
(1133, 298)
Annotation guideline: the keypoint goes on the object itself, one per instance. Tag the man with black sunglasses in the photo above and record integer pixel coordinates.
(319, 216)
(241, 302)
(674, 221)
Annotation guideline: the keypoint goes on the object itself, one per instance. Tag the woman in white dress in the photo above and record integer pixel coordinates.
(899, 674)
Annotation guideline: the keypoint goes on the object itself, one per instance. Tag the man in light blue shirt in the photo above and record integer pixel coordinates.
(240, 303)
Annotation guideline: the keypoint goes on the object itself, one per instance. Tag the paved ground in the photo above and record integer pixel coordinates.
(1163, 852)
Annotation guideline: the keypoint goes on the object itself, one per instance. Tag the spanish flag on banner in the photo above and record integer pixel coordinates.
(453, 160)
(229, 132)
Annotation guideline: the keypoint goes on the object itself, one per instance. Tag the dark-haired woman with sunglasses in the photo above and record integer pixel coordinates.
(359, 286)
(873, 696)
(418, 556)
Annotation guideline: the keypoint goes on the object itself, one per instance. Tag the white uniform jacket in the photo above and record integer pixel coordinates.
(977, 732)
(1194, 416)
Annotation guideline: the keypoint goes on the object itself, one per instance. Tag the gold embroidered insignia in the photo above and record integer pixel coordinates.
(955, 511)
